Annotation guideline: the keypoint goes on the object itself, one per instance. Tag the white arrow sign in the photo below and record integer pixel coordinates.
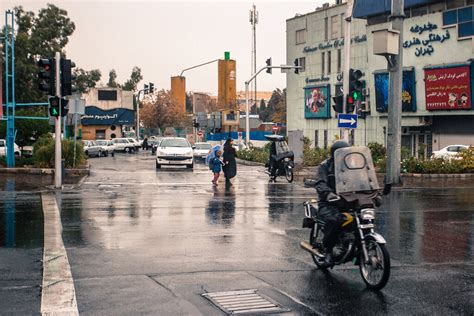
(352, 121)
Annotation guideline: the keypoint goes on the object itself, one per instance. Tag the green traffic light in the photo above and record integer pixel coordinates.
(356, 95)
(55, 112)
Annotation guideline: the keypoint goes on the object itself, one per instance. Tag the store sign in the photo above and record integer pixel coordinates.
(97, 116)
(317, 102)
(408, 91)
(314, 80)
(448, 88)
(338, 43)
(422, 41)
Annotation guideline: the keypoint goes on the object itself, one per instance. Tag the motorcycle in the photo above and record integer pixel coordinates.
(283, 156)
(357, 193)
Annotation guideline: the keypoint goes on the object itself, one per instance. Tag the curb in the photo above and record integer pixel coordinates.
(46, 171)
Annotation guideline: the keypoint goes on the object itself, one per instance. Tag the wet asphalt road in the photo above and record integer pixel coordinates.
(142, 241)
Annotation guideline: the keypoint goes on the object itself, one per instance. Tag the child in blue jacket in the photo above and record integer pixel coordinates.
(216, 166)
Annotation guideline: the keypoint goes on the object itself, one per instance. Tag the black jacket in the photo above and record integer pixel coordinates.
(325, 181)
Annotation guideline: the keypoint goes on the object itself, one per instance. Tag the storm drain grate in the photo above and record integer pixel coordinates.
(244, 302)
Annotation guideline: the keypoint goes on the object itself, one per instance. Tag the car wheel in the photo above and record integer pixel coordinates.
(158, 166)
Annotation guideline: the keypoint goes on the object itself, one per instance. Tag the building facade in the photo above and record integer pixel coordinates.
(109, 113)
(437, 77)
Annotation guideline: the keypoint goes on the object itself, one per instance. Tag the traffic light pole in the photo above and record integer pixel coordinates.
(347, 62)
(57, 143)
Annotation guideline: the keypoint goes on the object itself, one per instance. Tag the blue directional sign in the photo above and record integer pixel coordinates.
(347, 120)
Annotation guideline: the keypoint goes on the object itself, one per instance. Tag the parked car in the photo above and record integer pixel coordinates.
(153, 143)
(91, 148)
(135, 143)
(108, 147)
(174, 151)
(123, 144)
(448, 152)
(3, 148)
(27, 151)
(201, 150)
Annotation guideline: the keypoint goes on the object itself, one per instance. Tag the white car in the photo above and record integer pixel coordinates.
(3, 148)
(135, 142)
(174, 151)
(450, 151)
(201, 150)
(107, 146)
(91, 148)
(122, 144)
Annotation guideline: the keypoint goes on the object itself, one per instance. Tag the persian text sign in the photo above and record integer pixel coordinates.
(448, 88)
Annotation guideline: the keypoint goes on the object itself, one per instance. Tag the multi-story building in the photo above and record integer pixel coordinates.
(438, 73)
(109, 113)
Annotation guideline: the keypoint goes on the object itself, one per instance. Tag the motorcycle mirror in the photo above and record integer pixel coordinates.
(337, 198)
(387, 188)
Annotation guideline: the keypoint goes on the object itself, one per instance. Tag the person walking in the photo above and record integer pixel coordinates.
(216, 164)
(230, 165)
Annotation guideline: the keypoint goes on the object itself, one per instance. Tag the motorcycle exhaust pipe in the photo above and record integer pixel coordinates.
(307, 246)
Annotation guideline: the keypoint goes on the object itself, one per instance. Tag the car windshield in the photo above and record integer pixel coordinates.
(174, 142)
(131, 140)
(203, 146)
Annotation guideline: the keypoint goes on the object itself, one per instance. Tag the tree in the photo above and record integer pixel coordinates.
(28, 131)
(135, 78)
(85, 80)
(189, 102)
(112, 79)
(159, 111)
(263, 106)
(278, 104)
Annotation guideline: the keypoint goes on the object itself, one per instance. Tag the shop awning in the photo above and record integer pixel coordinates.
(96, 116)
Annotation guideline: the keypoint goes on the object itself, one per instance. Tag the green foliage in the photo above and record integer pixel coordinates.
(255, 154)
(85, 80)
(28, 131)
(378, 151)
(112, 79)
(467, 158)
(313, 156)
(19, 161)
(135, 78)
(43, 153)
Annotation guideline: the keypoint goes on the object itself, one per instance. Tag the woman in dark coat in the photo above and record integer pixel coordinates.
(230, 165)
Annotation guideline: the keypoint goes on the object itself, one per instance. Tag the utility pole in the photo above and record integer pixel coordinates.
(57, 132)
(347, 61)
(253, 22)
(394, 98)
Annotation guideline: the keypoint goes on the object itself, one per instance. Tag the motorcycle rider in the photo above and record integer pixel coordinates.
(330, 214)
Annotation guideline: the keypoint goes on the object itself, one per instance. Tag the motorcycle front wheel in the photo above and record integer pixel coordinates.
(316, 240)
(289, 174)
(376, 272)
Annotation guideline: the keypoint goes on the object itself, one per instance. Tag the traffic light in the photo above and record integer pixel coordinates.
(195, 123)
(47, 75)
(67, 76)
(355, 88)
(146, 88)
(54, 106)
(350, 105)
(151, 87)
(269, 65)
(296, 63)
(64, 108)
(338, 103)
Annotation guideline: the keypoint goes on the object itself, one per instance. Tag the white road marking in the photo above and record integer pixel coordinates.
(57, 295)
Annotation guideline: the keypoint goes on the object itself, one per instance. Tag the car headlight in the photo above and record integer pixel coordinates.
(367, 214)
(160, 153)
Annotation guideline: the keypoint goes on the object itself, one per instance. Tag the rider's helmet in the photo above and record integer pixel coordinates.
(338, 144)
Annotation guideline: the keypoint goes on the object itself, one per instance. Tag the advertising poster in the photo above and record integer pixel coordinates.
(381, 81)
(317, 102)
(118, 116)
(448, 88)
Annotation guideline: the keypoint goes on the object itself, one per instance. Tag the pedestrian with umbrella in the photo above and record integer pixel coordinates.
(230, 164)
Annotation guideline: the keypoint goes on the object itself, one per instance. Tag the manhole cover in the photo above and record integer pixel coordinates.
(244, 302)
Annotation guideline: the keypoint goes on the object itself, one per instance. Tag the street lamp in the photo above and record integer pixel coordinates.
(247, 83)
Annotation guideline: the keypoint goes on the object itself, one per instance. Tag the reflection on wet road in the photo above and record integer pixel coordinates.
(180, 237)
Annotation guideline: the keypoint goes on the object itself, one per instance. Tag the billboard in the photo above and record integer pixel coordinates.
(317, 102)
(448, 88)
(118, 116)
(381, 82)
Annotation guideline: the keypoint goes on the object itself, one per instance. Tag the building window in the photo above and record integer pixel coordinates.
(325, 139)
(335, 26)
(300, 37)
(316, 138)
(107, 95)
(329, 62)
(437, 7)
(463, 18)
(322, 63)
(326, 26)
(302, 63)
(100, 134)
(339, 60)
(451, 4)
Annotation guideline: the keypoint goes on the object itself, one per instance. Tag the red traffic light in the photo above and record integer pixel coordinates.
(350, 99)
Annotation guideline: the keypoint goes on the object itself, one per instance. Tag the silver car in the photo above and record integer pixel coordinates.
(91, 149)
(108, 147)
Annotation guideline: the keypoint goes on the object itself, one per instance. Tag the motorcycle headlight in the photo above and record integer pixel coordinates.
(367, 214)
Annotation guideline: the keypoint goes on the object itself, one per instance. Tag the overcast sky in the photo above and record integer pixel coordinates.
(164, 37)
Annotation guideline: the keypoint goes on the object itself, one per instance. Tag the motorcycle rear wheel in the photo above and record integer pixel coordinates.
(289, 175)
(316, 240)
(377, 272)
